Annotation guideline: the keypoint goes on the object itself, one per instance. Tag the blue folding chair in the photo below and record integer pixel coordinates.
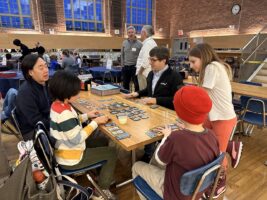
(45, 152)
(238, 105)
(254, 114)
(191, 183)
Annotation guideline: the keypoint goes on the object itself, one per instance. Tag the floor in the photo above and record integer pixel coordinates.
(247, 182)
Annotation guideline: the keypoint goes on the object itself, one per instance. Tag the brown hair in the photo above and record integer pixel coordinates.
(207, 55)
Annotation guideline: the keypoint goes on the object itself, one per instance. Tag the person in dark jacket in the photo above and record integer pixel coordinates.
(24, 49)
(33, 102)
(162, 84)
(162, 81)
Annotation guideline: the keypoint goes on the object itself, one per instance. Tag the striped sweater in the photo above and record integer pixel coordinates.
(65, 127)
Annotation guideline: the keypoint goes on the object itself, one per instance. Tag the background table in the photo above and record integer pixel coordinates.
(14, 82)
(98, 72)
(242, 89)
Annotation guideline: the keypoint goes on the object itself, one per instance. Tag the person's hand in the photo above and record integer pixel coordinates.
(165, 131)
(141, 70)
(149, 101)
(92, 114)
(131, 95)
(101, 120)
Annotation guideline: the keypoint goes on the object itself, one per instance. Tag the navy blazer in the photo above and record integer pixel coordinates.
(165, 89)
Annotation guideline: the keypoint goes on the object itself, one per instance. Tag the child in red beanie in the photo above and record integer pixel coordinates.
(183, 150)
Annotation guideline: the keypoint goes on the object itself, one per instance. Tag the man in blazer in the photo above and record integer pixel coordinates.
(162, 84)
(162, 81)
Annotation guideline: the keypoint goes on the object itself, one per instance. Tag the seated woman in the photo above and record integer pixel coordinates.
(74, 147)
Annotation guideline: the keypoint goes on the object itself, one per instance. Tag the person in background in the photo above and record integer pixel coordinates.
(33, 101)
(67, 60)
(183, 150)
(24, 49)
(42, 54)
(9, 104)
(74, 148)
(214, 77)
(142, 66)
(129, 54)
(78, 59)
(9, 63)
(54, 65)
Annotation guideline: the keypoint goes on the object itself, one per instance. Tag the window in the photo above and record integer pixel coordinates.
(15, 14)
(138, 13)
(84, 15)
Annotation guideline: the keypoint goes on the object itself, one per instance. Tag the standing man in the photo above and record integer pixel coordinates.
(129, 53)
(143, 66)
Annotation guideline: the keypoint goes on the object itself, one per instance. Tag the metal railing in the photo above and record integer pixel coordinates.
(254, 50)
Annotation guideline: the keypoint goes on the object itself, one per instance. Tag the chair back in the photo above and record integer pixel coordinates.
(16, 122)
(198, 180)
(256, 105)
(43, 148)
(244, 99)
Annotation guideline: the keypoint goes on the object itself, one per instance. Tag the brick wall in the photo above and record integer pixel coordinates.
(191, 15)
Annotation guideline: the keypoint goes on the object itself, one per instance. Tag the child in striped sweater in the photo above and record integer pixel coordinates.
(74, 149)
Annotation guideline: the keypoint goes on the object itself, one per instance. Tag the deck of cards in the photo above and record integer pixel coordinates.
(116, 131)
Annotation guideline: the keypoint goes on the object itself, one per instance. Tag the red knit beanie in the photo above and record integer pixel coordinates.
(192, 104)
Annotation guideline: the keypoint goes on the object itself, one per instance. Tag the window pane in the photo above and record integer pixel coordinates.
(77, 26)
(16, 13)
(139, 13)
(87, 15)
(5, 21)
(85, 26)
(27, 22)
(15, 22)
(69, 25)
(91, 26)
(13, 6)
(100, 27)
(99, 12)
(25, 7)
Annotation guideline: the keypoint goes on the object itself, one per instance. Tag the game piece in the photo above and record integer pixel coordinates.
(144, 117)
(136, 119)
(122, 136)
(115, 128)
(151, 134)
(114, 112)
(110, 124)
(120, 131)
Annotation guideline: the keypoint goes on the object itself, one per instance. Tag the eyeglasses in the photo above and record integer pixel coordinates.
(153, 59)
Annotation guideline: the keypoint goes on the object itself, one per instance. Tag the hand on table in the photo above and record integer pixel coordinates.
(92, 114)
(149, 101)
(101, 120)
(131, 95)
(165, 131)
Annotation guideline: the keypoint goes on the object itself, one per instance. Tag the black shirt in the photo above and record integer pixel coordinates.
(165, 89)
(32, 105)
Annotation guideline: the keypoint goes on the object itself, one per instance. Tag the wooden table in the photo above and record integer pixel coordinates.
(242, 89)
(137, 129)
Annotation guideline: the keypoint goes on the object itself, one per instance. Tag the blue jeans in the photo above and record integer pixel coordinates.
(9, 103)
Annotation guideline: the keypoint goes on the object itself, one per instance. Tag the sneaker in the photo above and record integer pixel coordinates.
(110, 195)
(220, 189)
(234, 149)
